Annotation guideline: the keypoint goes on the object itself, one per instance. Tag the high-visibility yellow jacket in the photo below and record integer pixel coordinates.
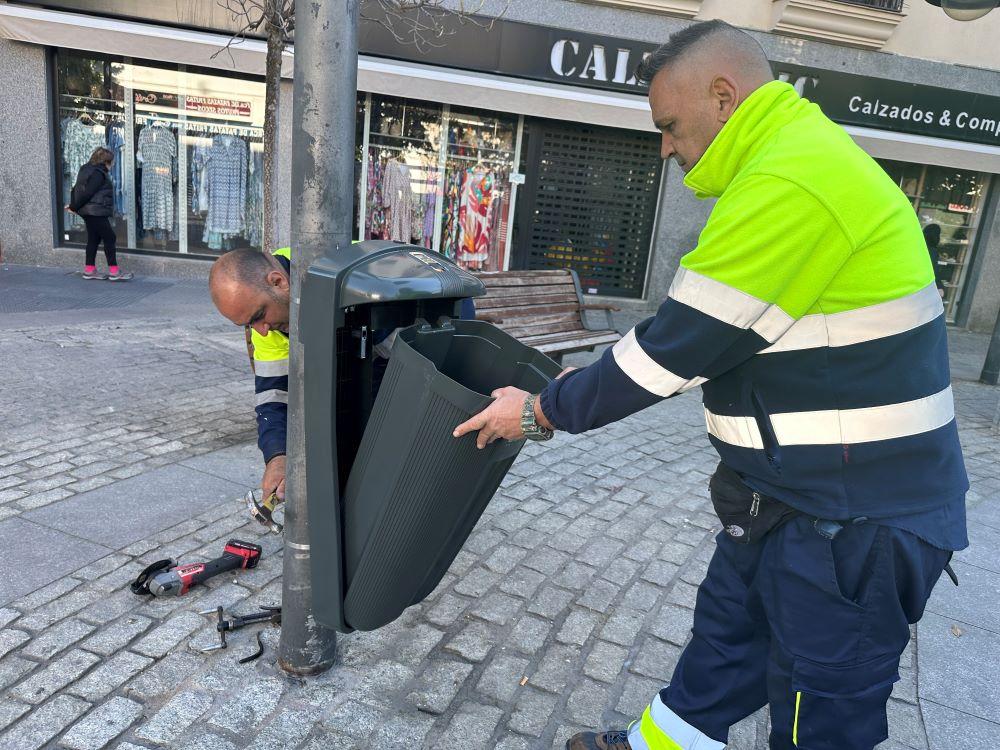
(809, 316)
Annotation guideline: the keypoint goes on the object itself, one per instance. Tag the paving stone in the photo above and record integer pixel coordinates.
(605, 662)
(12, 669)
(578, 626)
(532, 712)
(405, 731)
(111, 674)
(117, 635)
(173, 719)
(656, 659)
(102, 725)
(502, 677)
(529, 634)
(472, 726)
(683, 594)
(586, 703)
(250, 705)
(447, 610)
(622, 627)
(550, 601)
(57, 638)
(159, 641)
(951, 729)
(496, 608)
(673, 623)
(163, 676)
(41, 555)
(473, 642)
(53, 678)
(35, 730)
(556, 670)
(522, 582)
(477, 582)
(10, 711)
(382, 681)
(286, 730)
(11, 639)
(201, 739)
(438, 685)
(350, 718)
(413, 646)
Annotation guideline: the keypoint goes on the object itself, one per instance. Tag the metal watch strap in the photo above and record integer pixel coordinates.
(529, 425)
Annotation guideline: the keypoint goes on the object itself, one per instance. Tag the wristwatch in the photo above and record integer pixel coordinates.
(529, 425)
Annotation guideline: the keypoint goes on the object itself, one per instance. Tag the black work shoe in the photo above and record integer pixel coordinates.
(616, 739)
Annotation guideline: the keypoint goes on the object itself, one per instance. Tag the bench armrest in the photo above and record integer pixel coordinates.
(488, 317)
(599, 306)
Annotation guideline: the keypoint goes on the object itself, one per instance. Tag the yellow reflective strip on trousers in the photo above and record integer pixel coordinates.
(795, 724)
(655, 737)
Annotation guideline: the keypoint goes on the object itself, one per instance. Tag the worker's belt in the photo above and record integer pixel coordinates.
(746, 515)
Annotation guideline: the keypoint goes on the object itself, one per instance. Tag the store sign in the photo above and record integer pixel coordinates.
(524, 50)
(893, 105)
(227, 107)
(154, 98)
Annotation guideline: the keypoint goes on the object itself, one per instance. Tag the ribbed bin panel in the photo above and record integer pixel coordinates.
(415, 492)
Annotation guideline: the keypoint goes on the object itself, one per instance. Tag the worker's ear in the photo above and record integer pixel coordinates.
(278, 280)
(725, 95)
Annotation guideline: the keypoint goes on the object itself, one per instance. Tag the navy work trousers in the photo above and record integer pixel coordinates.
(813, 627)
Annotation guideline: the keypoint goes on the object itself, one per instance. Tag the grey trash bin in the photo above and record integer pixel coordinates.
(392, 496)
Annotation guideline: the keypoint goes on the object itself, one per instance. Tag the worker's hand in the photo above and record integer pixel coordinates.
(501, 419)
(566, 371)
(274, 478)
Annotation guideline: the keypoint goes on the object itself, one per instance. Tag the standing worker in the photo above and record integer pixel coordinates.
(809, 316)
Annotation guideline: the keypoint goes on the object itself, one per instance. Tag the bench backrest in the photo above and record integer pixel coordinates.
(527, 303)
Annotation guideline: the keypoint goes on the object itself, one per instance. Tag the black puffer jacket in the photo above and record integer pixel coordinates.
(94, 193)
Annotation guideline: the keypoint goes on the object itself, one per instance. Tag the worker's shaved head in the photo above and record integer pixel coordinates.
(696, 82)
(251, 289)
(244, 267)
(712, 46)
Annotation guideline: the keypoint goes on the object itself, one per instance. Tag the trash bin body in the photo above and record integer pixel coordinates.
(392, 496)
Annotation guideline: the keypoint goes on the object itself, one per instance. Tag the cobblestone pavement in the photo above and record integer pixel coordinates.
(567, 608)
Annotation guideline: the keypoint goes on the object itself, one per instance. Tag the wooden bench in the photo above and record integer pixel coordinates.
(543, 309)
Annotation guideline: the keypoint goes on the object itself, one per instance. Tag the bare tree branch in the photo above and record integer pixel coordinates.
(423, 23)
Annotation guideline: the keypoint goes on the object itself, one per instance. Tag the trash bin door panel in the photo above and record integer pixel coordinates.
(415, 492)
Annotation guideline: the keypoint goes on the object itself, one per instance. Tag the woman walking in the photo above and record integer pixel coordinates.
(93, 198)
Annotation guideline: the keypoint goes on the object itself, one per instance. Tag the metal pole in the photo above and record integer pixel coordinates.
(323, 124)
(991, 370)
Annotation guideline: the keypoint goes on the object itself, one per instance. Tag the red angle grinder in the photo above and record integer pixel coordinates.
(167, 578)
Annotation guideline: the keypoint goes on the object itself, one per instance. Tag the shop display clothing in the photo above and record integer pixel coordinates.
(156, 150)
(397, 197)
(474, 219)
(116, 145)
(78, 143)
(226, 170)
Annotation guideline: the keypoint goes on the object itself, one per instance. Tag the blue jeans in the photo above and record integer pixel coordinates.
(813, 627)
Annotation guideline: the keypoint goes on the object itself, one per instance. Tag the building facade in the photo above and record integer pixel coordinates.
(521, 141)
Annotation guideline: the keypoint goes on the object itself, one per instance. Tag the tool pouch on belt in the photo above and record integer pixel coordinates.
(746, 515)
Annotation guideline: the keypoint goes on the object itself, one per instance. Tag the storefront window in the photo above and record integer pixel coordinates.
(189, 156)
(951, 200)
(403, 179)
(451, 196)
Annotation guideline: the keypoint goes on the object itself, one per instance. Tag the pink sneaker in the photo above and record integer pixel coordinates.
(119, 276)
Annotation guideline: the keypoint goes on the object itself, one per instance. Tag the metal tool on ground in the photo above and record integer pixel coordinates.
(167, 578)
(223, 626)
(263, 512)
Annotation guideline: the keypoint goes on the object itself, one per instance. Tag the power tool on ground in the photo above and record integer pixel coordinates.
(167, 578)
